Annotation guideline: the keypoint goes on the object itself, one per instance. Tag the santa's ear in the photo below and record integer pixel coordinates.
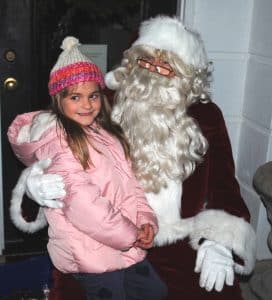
(113, 79)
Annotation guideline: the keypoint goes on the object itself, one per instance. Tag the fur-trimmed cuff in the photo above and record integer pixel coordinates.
(170, 233)
(16, 211)
(228, 230)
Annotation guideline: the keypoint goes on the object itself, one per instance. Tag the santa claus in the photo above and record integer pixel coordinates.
(181, 155)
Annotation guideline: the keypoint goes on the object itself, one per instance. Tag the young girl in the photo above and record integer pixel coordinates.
(101, 232)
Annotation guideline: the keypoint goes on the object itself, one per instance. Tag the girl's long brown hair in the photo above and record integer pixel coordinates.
(76, 135)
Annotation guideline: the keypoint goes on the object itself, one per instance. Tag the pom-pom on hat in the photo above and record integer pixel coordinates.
(72, 67)
(166, 33)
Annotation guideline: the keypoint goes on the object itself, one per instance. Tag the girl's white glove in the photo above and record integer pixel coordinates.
(215, 264)
(44, 188)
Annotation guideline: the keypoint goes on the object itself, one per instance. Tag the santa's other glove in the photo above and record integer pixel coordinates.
(44, 188)
(216, 266)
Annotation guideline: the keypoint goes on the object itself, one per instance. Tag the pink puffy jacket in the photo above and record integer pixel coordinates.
(104, 205)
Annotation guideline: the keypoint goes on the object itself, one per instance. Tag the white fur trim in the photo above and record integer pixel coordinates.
(24, 134)
(170, 233)
(169, 34)
(40, 124)
(166, 205)
(228, 230)
(33, 132)
(111, 81)
(114, 79)
(16, 211)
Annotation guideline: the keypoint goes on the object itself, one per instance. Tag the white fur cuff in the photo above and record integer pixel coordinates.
(15, 208)
(170, 233)
(228, 230)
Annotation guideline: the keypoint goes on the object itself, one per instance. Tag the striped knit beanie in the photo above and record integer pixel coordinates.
(72, 67)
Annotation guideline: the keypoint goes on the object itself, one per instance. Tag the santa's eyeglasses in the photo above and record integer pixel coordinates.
(157, 68)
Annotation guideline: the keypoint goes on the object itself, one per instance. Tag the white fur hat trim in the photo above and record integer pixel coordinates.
(169, 34)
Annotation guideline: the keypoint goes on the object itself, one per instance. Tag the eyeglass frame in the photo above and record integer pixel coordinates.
(157, 68)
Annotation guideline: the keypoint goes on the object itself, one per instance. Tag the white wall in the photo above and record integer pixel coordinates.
(236, 34)
(227, 46)
(255, 137)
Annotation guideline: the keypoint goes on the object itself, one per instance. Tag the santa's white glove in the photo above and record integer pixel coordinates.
(44, 188)
(215, 264)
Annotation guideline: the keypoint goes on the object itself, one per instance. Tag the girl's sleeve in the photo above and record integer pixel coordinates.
(145, 212)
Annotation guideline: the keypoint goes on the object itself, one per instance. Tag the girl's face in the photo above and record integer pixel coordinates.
(82, 103)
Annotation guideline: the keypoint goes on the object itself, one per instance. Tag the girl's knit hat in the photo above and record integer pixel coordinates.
(72, 67)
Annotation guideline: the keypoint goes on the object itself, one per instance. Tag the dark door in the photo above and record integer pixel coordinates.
(18, 90)
(31, 32)
(26, 53)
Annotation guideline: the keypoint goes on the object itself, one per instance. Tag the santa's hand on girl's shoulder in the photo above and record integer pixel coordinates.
(43, 188)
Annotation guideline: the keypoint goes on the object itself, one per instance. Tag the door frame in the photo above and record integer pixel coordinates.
(2, 231)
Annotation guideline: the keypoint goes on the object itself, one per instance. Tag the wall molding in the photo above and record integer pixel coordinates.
(265, 60)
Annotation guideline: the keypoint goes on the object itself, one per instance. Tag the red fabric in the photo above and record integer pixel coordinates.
(65, 287)
(213, 182)
(214, 179)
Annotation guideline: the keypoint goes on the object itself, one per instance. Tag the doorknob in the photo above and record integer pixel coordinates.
(10, 83)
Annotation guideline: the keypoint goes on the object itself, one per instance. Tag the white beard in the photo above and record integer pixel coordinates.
(152, 130)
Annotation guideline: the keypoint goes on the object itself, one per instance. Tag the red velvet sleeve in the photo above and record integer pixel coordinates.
(223, 191)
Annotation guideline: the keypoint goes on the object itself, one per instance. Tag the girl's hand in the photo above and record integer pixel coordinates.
(145, 237)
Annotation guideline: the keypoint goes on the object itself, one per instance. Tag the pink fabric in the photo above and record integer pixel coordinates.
(103, 205)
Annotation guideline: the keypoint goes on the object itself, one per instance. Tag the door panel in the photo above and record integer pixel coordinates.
(18, 90)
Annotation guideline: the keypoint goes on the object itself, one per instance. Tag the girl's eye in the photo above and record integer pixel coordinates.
(74, 97)
(95, 96)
